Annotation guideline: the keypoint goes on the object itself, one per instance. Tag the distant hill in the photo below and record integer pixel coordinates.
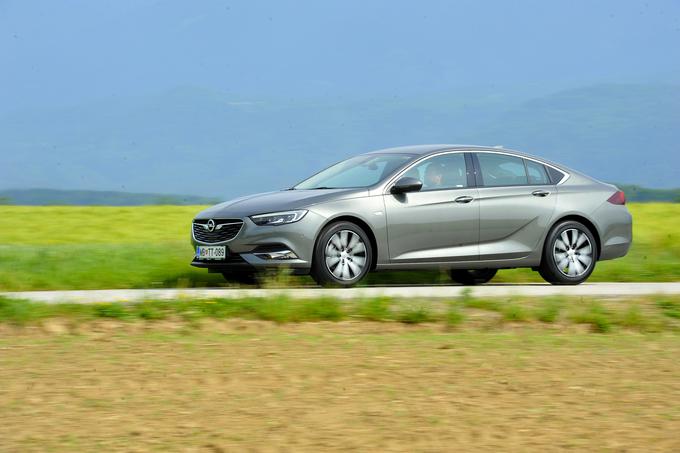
(194, 140)
(49, 197)
(642, 194)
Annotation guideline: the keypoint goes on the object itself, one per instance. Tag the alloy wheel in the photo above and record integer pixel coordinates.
(573, 252)
(345, 255)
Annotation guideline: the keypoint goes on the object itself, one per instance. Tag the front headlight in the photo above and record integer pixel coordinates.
(278, 218)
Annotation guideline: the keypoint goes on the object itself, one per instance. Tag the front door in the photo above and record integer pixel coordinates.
(440, 222)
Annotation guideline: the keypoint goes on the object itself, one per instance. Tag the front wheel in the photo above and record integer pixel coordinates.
(569, 254)
(342, 256)
(473, 276)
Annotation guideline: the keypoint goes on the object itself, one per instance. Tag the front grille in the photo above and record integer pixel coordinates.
(225, 230)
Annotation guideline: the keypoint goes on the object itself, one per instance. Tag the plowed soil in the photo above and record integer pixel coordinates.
(256, 386)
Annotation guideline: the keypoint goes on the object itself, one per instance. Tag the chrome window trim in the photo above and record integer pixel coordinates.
(385, 189)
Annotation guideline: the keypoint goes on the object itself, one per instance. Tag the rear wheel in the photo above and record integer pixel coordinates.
(472, 276)
(569, 254)
(343, 255)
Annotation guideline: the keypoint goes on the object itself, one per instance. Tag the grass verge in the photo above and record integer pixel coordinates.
(602, 316)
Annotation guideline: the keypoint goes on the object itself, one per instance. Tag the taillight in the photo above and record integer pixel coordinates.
(618, 198)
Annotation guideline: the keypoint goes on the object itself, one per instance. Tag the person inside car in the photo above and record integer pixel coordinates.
(434, 176)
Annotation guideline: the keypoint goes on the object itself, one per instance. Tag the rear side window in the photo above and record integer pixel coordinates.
(536, 172)
(502, 170)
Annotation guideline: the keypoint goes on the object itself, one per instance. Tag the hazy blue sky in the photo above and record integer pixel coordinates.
(55, 53)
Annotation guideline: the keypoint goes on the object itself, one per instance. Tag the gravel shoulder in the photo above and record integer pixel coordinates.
(442, 291)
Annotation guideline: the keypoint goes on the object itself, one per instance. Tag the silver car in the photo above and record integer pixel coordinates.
(467, 209)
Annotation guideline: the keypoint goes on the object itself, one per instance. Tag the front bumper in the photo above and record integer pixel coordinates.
(260, 247)
(233, 262)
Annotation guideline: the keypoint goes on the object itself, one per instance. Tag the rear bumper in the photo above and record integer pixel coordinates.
(611, 251)
(616, 230)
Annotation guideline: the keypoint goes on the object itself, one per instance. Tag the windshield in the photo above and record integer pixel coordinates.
(359, 171)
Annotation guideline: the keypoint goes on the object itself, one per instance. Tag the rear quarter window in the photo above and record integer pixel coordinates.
(555, 175)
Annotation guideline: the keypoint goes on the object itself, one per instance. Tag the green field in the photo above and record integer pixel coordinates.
(142, 247)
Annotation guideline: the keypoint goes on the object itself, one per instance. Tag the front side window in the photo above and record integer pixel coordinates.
(359, 171)
(446, 171)
(502, 170)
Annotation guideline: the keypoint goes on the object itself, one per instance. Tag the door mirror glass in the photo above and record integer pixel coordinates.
(406, 184)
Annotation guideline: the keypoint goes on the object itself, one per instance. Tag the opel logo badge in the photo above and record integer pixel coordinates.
(211, 225)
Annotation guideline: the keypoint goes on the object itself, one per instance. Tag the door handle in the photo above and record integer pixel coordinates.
(540, 193)
(463, 199)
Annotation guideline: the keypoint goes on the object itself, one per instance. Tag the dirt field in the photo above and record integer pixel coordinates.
(255, 386)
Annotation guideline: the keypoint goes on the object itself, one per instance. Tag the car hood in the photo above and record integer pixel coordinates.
(284, 200)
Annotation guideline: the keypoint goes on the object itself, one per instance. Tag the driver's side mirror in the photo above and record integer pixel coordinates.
(406, 184)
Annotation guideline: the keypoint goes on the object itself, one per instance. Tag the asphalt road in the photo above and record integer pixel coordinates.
(615, 290)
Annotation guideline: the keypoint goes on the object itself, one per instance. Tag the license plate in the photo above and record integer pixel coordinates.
(212, 252)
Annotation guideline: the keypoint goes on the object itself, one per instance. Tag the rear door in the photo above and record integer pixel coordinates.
(516, 203)
(440, 222)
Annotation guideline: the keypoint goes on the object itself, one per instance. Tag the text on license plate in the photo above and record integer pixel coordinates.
(213, 252)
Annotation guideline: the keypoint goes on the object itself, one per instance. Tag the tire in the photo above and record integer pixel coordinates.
(473, 276)
(343, 255)
(241, 277)
(569, 254)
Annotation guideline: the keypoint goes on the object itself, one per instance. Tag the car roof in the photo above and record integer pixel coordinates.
(424, 150)
(412, 149)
